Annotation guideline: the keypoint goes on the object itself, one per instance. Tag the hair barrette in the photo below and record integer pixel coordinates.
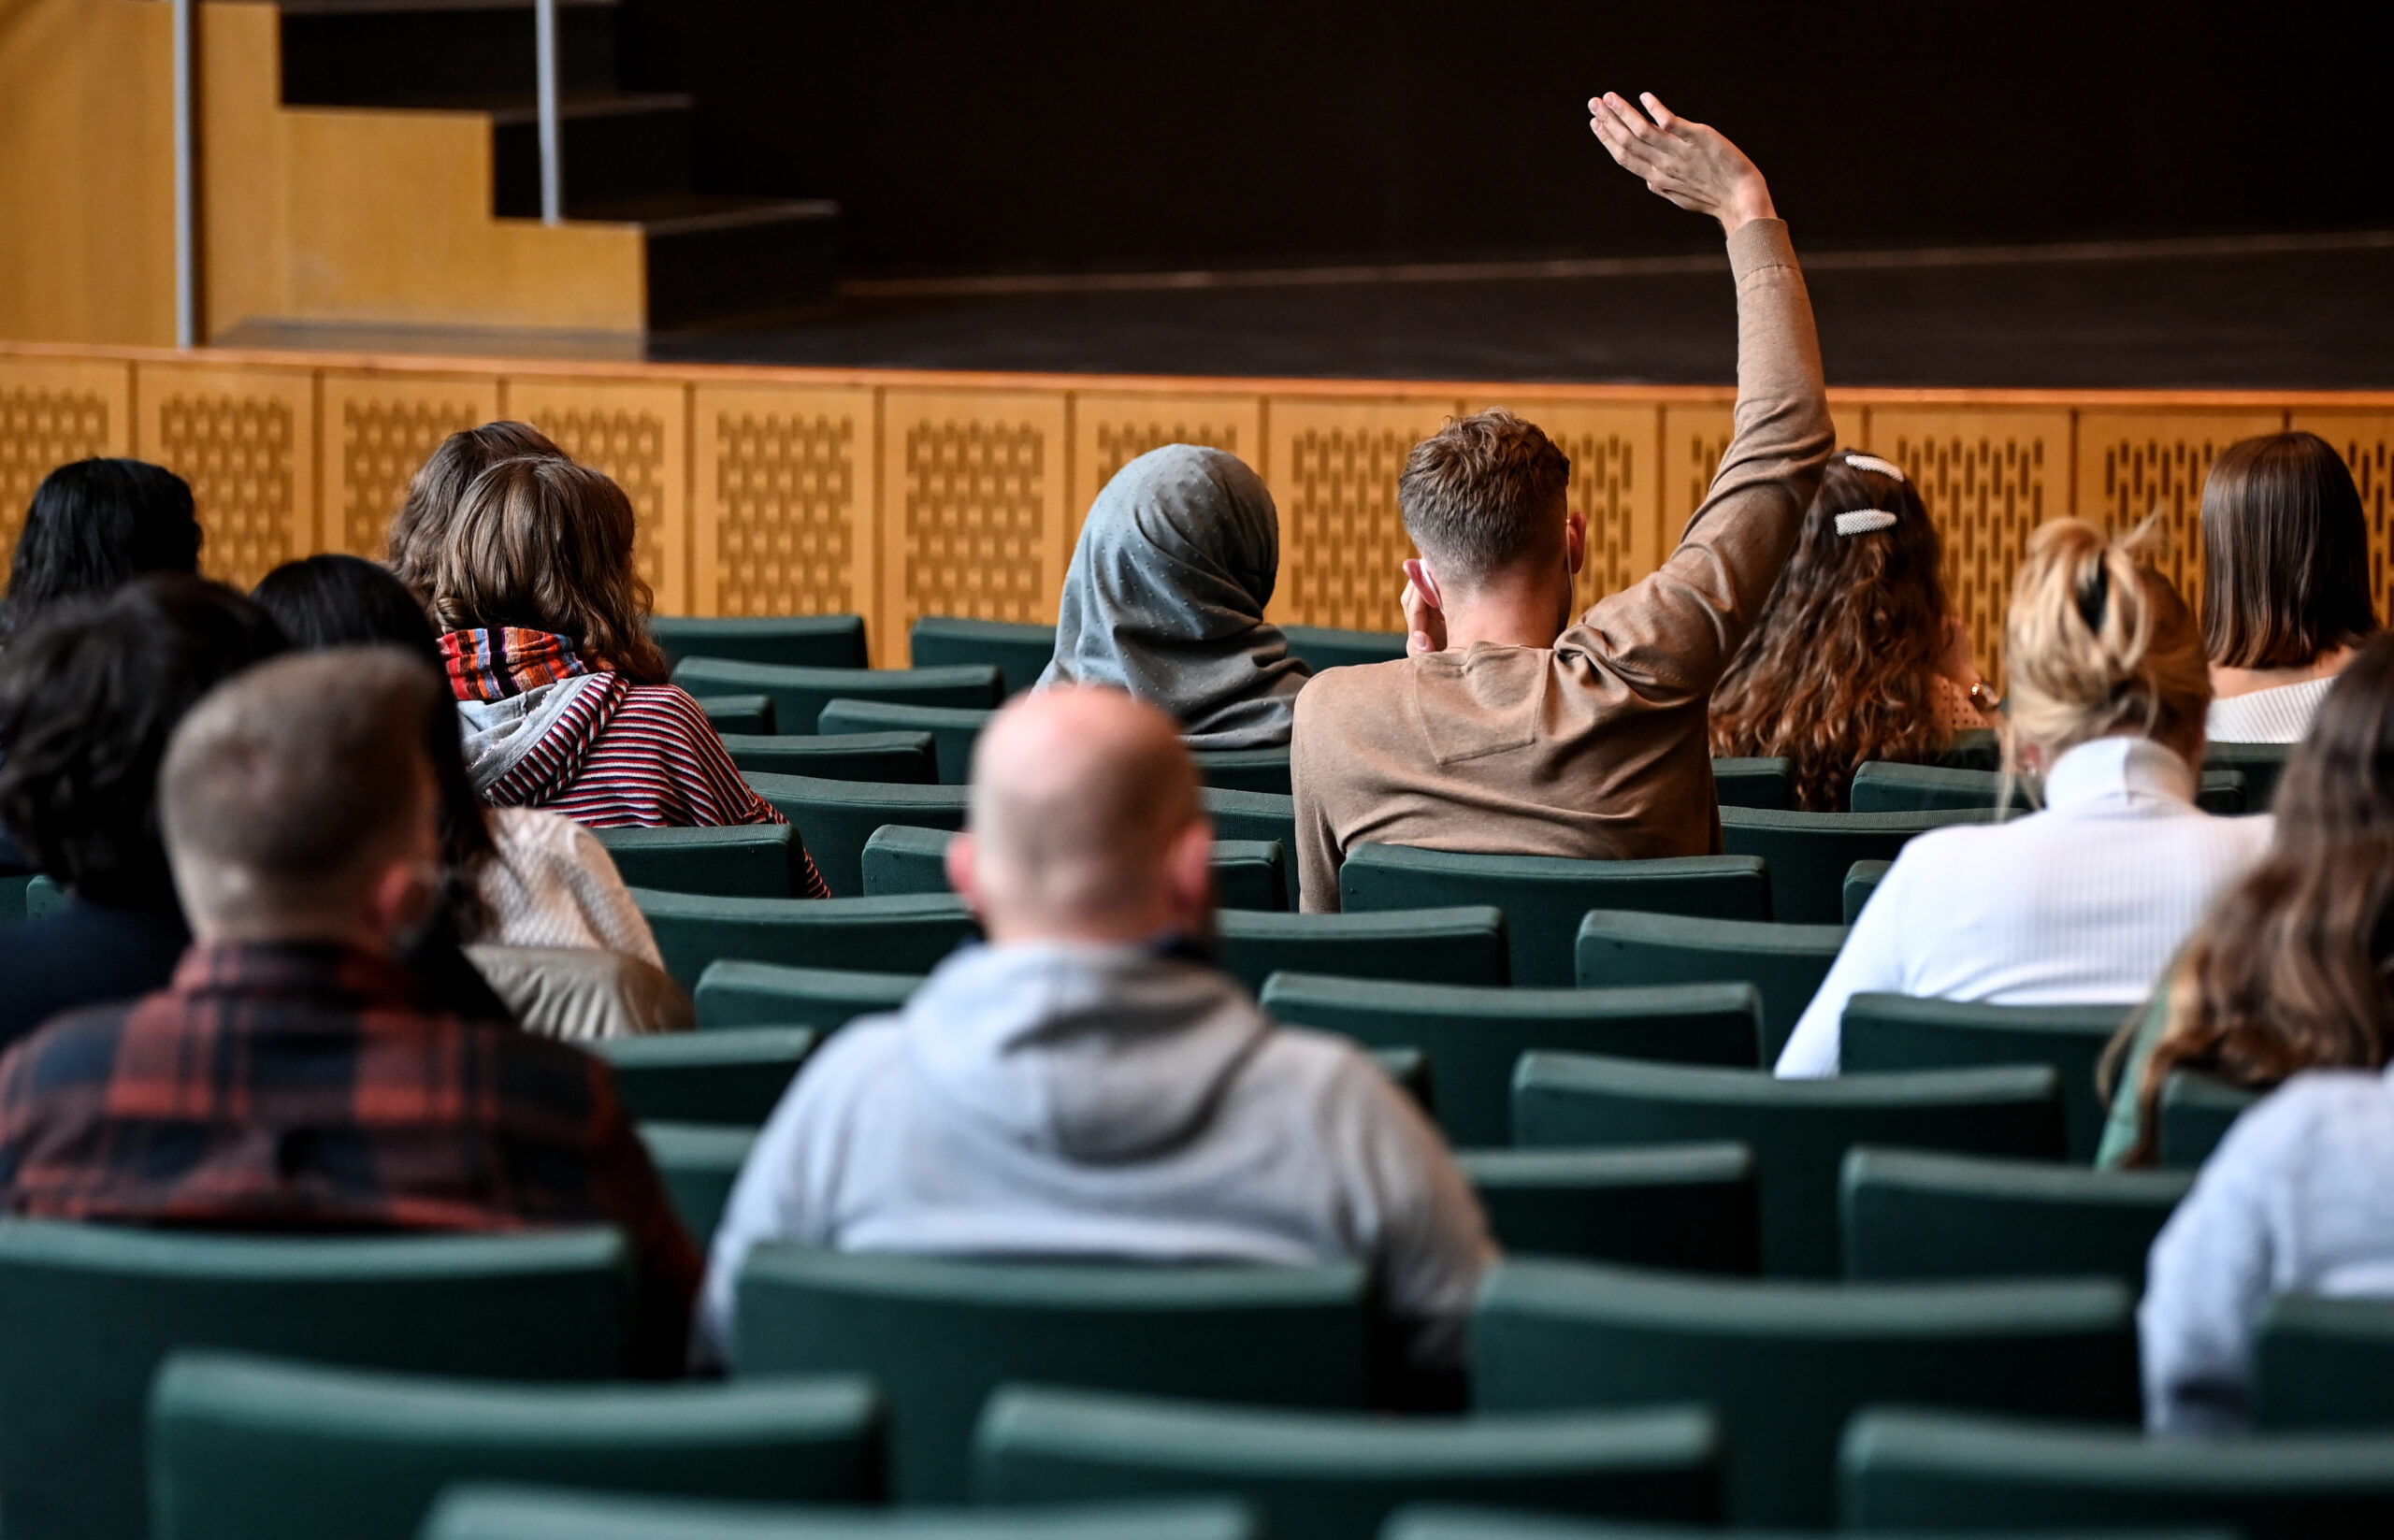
(1872, 463)
(1863, 520)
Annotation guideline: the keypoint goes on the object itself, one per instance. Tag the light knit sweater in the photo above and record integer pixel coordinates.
(555, 885)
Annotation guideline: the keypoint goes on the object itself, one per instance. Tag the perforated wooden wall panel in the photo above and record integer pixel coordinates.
(1694, 438)
(636, 433)
(2135, 464)
(973, 489)
(783, 503)
(1333, 468)
(245, 438)
(378, 430)
(1616, 463)
(51, 412)
(1110, 429)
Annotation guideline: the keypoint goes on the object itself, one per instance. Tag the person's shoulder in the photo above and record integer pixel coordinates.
(521, 832)
(1324, 1068)
(1351, 693)
(666, 703)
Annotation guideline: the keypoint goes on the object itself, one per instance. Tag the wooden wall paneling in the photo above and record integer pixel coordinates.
(245, 437)
(1694, 439)
(378, 430)
(1616, 481)
(636, 432)
(1110, 429)
(2366, 440)
(51, 412)
(2134, 463)
(973, 510)
(782, 507)
(1333, 467)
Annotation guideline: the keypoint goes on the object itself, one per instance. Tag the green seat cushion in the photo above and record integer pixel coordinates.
(12, 895)
(1688, 1206)
(800, 695)
(1810, 853)
(1882, 786)
(903, 758)
(764, 994)
(734, 1075)
(1881, 1031)
(1754, 782)
(899, 935)
(954, 730)
(1461, 946)
(2260, 764)
(2321, 1363)
(1785, 963)
(1247, 873)
(808, 641)
(1328, 647)
(2195, 1114)
(737, 713)
(1020, 654)
(698, 1163)
(737, 860)
(1910, 1214)
(837, 818)
(1245, 770)
(474, 1511)
(1862, 879)
(1433, 1521)
(1250, 815)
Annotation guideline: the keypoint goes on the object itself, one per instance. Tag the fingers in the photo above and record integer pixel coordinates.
(1664, 118)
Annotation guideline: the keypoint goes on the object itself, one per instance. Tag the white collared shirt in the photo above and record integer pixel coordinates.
(2084, 904)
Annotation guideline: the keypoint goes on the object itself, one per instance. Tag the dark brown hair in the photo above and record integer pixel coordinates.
(546, 545)
(420, 531)
(1842, 667)
(2286, 555)
(2294, 966)
(1483, 493)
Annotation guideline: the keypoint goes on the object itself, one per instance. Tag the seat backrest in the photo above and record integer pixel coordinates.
(900, 758)
(736, 861)
(804, 642)
(735, 1075)
(1435, 1522)
(254, 1449)
(1543, 897)
(836, 817)
(88, 1311)
(800, 695)
(699, 1162)
(1754, 782)
(939, 1334)
(1694, 1207)
(1930, 1472)
(2196, 1112)
(1974, 748)
(1329, 647)
(761, 994)
(483, 1511)
(1881, 1031)
(1810, 853)
(737, 713)
(1474, 1035)
(1798, 1130)
(1461, 946)
(899, 935)
(1862, 879)
(1784, 1364)
(1250, 815)
(1785, 963)
(2260, 764)
(1908, 1213)
(954, 730)
(1263, 770)
(2321, 1363)
(1247, 873)
(1882, 786)
(1020, 654)
(1335, 1475)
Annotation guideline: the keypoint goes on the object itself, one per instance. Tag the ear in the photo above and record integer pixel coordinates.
(1575, 541)
(398, 899)
(960, 874)
(1189, 874)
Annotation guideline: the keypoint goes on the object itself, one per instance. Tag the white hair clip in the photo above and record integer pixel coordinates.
(1871, 462)
(1863, 520)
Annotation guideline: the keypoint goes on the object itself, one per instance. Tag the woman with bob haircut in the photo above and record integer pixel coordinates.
(2286, 584)
(563, 696)
(2085, 902)
(1857, 656)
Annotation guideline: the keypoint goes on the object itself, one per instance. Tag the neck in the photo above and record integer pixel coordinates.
(2227, 682)
(1515, 609)
(260, 931)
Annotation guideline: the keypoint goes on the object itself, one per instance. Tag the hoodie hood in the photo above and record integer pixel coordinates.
(1097, 1054)
(523, 749)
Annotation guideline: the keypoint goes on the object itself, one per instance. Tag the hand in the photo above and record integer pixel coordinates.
(1425, 621)
(1687, 162)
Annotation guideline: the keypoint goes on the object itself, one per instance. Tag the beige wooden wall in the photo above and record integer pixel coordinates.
(896, 494)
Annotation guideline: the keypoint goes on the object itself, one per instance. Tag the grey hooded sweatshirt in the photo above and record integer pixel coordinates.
(1060, 1100)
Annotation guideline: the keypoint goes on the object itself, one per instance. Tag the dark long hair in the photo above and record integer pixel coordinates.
(1842, 666)
(2286, 553)
(347, 601)
(95, 526)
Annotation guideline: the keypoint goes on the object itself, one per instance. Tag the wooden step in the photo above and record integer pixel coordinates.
(714, 258)
(614, 148)
(437, 52)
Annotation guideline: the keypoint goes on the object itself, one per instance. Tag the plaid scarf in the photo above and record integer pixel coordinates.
(494, 663)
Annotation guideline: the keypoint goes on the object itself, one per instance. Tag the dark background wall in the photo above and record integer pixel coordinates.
(1111, 134)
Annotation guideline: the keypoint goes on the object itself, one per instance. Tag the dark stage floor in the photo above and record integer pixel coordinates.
(2294, 312)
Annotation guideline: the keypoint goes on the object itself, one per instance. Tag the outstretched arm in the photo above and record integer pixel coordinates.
(1688, 162)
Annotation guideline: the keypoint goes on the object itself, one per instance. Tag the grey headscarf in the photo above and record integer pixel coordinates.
(1165, 598)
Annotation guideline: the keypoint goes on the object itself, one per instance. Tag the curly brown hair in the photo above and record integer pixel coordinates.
(1842, 667)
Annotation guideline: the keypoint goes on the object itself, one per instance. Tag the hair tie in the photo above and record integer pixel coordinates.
(1871, 462)
(1863, 521)
(2092, 598)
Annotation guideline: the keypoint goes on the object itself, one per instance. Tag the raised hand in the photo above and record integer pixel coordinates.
(1687, 162)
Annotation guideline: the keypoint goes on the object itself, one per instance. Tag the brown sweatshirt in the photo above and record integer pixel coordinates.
(1595, 746)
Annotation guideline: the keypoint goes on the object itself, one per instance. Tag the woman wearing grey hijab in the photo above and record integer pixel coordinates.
(1165, 598)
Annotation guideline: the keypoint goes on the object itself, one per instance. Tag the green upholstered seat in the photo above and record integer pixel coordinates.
(1882, 786)
(1335, 1475)
(1464, 946)
(12, 895)
(1543, 897)
(837, 818)
(1409, 1067)
(1881, 1031)
(764, 994)
(1473, 1034)
(88, 1311)
(2322, 1363)
(1245, 770)
(900, 935)
(1250, 815)
(2260, 764)
(802, 641)
(1435, 1522)
(939, 1334)
(899, 858)
(1810, 853)
(1328, 647)
(735, 861)
(1974, 748)
(1862, 879)
(800, 695)
(734, 1075)
(738, 714)
(44, 895)
(1690, 1206)
(699, 1162)
(1785, 963)
(954, 730)
(1020, 654)
(1927, 1471)
(1754, 782)
(1910, 1214)
(1798, 1130)
(903, 758)
(252, 1448)
(1784, 1364)
(2195, 1114)
(476, 1511)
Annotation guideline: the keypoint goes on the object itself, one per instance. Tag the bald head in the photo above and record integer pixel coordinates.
(1084, 810)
